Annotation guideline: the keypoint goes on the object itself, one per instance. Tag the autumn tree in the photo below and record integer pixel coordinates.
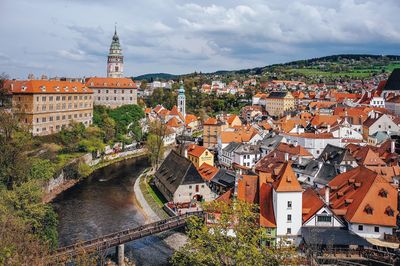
(233, 238)
(18, 246)
(155, 141)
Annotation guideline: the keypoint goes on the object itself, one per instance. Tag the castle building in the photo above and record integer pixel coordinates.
(115, 62)
(48, 106)
(113, 92)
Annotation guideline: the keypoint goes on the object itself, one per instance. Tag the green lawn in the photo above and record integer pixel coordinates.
(156, 195)
(153, 197)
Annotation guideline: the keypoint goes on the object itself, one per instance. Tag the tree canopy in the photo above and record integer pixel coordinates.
(235, 238)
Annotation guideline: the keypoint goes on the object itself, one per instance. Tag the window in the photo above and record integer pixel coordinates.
(360, 227)
(289, 204)
(289, 218)
(43, 119)
(43, 98)
(376, 229)
(106, 91)
(98, 91)
(63, 98)
(289, 231)
(324, 218)
(190, 187)
(197, 188)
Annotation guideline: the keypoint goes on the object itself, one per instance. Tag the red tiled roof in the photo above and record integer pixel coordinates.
(207, 171)
(211, 121)
(287, 180)
(359, 189)
(196, 150)
(114, 83)
(267, 216)
(45, 87)
(312, 203)
(248, 188)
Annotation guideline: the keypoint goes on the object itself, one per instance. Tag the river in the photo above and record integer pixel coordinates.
(104, 203)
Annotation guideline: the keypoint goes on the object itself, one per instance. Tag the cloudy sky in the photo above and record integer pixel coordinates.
(72, 37)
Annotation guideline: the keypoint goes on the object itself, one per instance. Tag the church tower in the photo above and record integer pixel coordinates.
(115, 62)
(182, 100)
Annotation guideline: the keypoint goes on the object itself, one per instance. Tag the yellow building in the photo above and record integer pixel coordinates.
(199, 155)
(277, 103)
(48, 106)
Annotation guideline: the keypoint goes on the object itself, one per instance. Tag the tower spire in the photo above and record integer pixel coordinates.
(115, 26)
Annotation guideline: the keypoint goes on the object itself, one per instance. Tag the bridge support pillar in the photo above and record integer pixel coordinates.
(121, 255)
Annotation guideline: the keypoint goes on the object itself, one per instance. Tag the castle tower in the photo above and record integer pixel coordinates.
(182, 100)
(115, 62)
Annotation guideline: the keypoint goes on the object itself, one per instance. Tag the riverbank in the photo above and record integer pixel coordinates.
(154, 211)
(96, 165)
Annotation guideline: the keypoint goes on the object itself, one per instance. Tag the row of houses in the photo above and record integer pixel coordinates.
(47, 106)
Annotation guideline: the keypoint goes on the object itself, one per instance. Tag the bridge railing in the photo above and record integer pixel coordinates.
(118, 235)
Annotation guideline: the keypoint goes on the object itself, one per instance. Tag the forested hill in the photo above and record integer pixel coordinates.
(328, 67)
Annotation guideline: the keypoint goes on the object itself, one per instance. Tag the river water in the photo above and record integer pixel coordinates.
(105, 203)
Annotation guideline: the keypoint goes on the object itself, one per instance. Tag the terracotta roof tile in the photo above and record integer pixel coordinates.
(248, 188)
(114, 83)
(287, 180)
(311, 204)
(359, 189)
(45, 86)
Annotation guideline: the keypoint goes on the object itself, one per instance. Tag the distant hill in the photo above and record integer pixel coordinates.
(156, 76)
(331, 67)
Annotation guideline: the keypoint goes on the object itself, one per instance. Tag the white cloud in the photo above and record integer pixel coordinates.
(177, 36)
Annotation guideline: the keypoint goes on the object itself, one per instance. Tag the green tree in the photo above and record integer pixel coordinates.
(41, 169)
(25, 202)
(155, 142)
(15, 140)
(233, 239)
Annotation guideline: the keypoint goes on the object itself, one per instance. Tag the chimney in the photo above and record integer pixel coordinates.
(393, 146)
(329, 128)
(295, 143)
(300, 160)
(235, 191)
(185, 152)
(286, 157)
(327, 192)
(320, 165)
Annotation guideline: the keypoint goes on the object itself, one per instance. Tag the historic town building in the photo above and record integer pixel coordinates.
(115, 62)
(113, 92)
(48, 106)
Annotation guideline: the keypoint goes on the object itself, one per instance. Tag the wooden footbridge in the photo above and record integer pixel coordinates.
(118, 238)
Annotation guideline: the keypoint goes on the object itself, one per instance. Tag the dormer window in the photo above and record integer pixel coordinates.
(368, 209)
(43, 88)
(91, 83)
(389, 211)
(383, 193)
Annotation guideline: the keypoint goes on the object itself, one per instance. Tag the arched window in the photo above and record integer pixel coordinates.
(116, 68)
